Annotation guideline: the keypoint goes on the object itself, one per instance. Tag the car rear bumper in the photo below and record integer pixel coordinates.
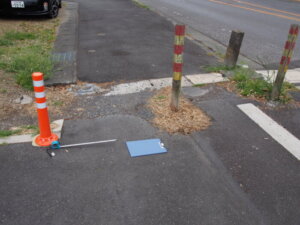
(23, 12)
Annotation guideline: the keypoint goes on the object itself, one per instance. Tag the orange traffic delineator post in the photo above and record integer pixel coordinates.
(46, 137)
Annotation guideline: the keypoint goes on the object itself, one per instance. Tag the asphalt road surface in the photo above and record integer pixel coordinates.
(265, 23)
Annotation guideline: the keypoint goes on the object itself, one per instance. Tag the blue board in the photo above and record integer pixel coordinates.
(145, 147)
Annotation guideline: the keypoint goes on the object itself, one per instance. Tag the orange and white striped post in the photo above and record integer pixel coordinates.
(46, 137)
(285, 60)
(177, 65)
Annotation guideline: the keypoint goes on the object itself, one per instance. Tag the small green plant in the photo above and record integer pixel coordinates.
(140, 4)
(199, 85)
(251, 86)
(25, 64)
(58, 103)
(3, 91)
(258, 87)
(161, 97)
(217, 68)
(22, 53)
(7, 133)
(2, 51)
(3, 66)
(5, 42)
(19, 36)
(29, 127)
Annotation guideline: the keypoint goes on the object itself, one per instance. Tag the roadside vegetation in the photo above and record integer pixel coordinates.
(140, 4)
(249, 83)
(26, 48)
(29, 129)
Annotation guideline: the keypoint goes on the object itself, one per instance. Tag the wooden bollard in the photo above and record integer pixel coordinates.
(285, 61)
(233, 49)
(177, 66)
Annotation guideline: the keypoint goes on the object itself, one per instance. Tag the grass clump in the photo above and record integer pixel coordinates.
(257, 87)
(25, 64)
(58, 103)
(7, 133)
(19, 36)
(140, 4)
(199, 85)
(248, 85)
(27, 49)
(33, 129)
(5, 42)
(217, 68)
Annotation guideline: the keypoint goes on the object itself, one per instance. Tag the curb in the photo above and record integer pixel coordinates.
(292, 76)
(65, 48)
(156, 84)
(14, 139)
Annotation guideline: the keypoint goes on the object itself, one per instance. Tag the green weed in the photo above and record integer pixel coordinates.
(140, 4)
(30, 127)
(58, 103)
(161, 97)
(3, 65)
(19, 36)
(217, 68)
(258, 87)
(33, 128)
(26, 52)
(2, 51)
(3, 91)
(25, 64)
(199, 85)
(7, 133)
(5, 42)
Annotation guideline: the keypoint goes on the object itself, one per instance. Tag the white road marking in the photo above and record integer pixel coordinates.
(156, 84)
(276, 131)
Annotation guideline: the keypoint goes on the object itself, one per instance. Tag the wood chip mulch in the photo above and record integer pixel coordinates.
(188, 119)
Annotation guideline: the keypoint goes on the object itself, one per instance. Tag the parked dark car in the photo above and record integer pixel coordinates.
(30, 7)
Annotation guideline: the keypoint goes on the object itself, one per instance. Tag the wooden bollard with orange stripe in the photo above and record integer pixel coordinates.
(46, 137)
(285, 61)
(177, 66)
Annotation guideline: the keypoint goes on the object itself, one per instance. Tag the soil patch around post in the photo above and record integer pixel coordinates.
(188, 119)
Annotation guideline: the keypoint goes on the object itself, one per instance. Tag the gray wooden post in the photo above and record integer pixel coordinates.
(233, 49)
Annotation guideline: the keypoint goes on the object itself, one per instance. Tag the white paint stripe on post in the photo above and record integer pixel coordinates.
(39, 94)
(41, 105)
(39, 83)
(276, 131)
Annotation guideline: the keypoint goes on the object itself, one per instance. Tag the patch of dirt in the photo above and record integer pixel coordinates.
(188, 119)
(58, 100)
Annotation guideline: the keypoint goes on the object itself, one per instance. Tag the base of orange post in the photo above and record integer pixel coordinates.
(44, 142)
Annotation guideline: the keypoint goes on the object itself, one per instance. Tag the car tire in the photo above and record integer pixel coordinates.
(54, 9)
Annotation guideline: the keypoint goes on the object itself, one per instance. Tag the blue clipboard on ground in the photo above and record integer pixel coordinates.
(145, 147)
